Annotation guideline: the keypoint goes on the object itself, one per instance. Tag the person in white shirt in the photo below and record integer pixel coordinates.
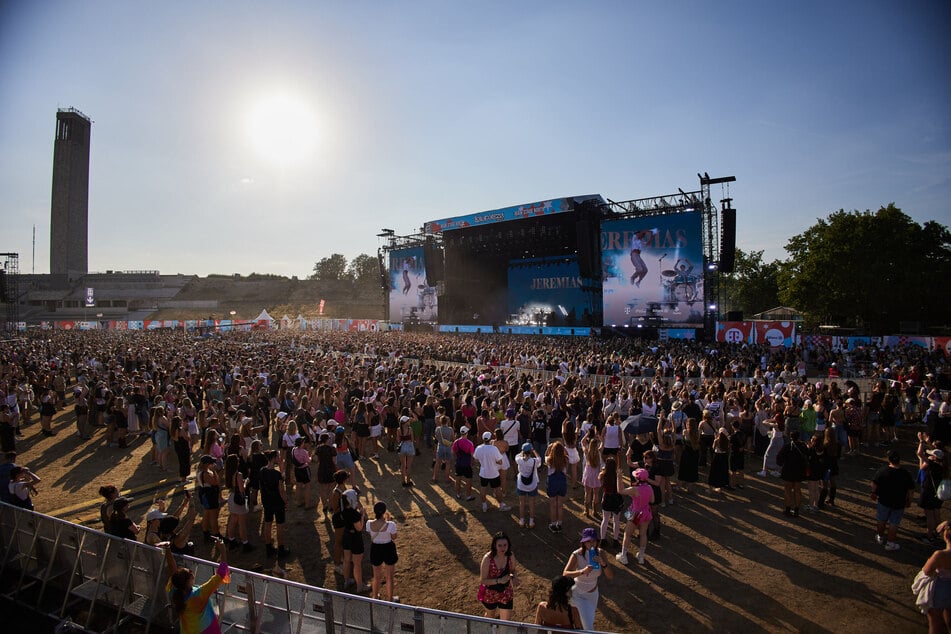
(383, 555)
(489, 459)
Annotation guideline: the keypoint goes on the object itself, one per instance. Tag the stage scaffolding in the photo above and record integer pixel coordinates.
(9, 291)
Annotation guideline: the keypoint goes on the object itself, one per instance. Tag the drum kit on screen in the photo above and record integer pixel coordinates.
(680, 286)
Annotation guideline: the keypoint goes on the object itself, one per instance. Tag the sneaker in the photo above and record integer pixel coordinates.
(621, 558)
(880, 539)
(558, 527)
(504, 507)
(470, 498)
(762, 474)
(775, 474)
(458, 496)
(531, 522)
(485, 507)
(553, 528)
(891, 546)
(640, 557)
(339, 570)
(521, 522)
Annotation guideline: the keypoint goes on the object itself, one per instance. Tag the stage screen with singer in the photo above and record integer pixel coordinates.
(411, 296)
(545, 291)
(653, 270)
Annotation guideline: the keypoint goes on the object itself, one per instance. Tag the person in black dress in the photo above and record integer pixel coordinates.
(719, 476)
(689, 472)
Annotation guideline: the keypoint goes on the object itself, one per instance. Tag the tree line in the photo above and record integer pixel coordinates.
(876, 272)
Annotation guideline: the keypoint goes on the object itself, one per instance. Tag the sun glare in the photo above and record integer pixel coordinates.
(282, 129)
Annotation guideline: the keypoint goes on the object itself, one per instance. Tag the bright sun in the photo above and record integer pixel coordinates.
(282, 128)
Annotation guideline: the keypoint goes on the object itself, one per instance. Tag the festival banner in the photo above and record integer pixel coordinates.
(65, 325)
(776, 333)
(735, 332)
(653, 270)
(943, 343)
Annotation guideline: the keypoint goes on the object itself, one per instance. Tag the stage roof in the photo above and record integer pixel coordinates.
(518, 212)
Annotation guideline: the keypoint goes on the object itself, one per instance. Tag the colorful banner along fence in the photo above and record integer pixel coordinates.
(773, 333)
(223, 325)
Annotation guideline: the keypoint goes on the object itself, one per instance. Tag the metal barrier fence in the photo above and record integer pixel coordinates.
(104, 583)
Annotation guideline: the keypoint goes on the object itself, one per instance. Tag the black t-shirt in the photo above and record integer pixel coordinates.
(258, 462)
(892, 485)
(540, 430)
(271, 482)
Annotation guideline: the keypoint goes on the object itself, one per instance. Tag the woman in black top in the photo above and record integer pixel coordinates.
(119, 524)
(793, 459)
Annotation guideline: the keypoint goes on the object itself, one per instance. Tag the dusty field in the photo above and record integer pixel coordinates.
(728, 564)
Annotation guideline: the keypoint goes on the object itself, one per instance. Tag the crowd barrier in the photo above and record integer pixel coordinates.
(101, 583)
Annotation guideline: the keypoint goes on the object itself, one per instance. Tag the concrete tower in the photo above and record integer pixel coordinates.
(69, 222)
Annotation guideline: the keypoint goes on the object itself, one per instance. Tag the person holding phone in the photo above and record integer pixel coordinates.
(586, 565)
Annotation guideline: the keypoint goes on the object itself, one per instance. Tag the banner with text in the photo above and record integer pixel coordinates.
(545, 291)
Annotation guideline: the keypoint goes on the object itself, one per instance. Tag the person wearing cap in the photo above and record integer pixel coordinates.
(490, 462)
(511, 427)
(462, 450)
(892, 488)
(527, 463)
(558, 611)
(162, 527)
(638, 515)
(937, 572)
(120, 524)
(586, 566)
(934, 468)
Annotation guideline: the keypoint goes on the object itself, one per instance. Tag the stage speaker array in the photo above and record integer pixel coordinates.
(434, 262)
(588, 232)
(727, 240)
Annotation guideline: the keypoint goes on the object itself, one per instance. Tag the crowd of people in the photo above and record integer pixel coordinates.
(252, 420)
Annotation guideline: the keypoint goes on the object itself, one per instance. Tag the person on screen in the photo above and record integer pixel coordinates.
(406, 283)
(640, 269)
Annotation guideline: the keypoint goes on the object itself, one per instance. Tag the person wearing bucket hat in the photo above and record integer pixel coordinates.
(526, 483)
(586, 565)
(638, 514)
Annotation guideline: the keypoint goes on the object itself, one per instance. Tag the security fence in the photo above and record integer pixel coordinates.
(102, 583)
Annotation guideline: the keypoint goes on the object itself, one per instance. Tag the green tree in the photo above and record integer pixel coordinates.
(364, 270)
(752, 287)
(870, 270)
(331, 268)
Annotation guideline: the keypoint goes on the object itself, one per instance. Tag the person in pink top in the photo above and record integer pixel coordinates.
(638, 515)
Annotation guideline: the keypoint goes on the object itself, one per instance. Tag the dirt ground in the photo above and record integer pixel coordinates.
(731, 563)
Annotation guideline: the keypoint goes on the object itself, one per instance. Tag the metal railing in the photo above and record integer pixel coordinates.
(66, 571)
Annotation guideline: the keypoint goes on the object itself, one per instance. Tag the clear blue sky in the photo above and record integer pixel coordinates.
(403, 112)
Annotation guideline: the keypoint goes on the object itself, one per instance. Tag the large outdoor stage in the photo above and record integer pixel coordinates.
(566, 265)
